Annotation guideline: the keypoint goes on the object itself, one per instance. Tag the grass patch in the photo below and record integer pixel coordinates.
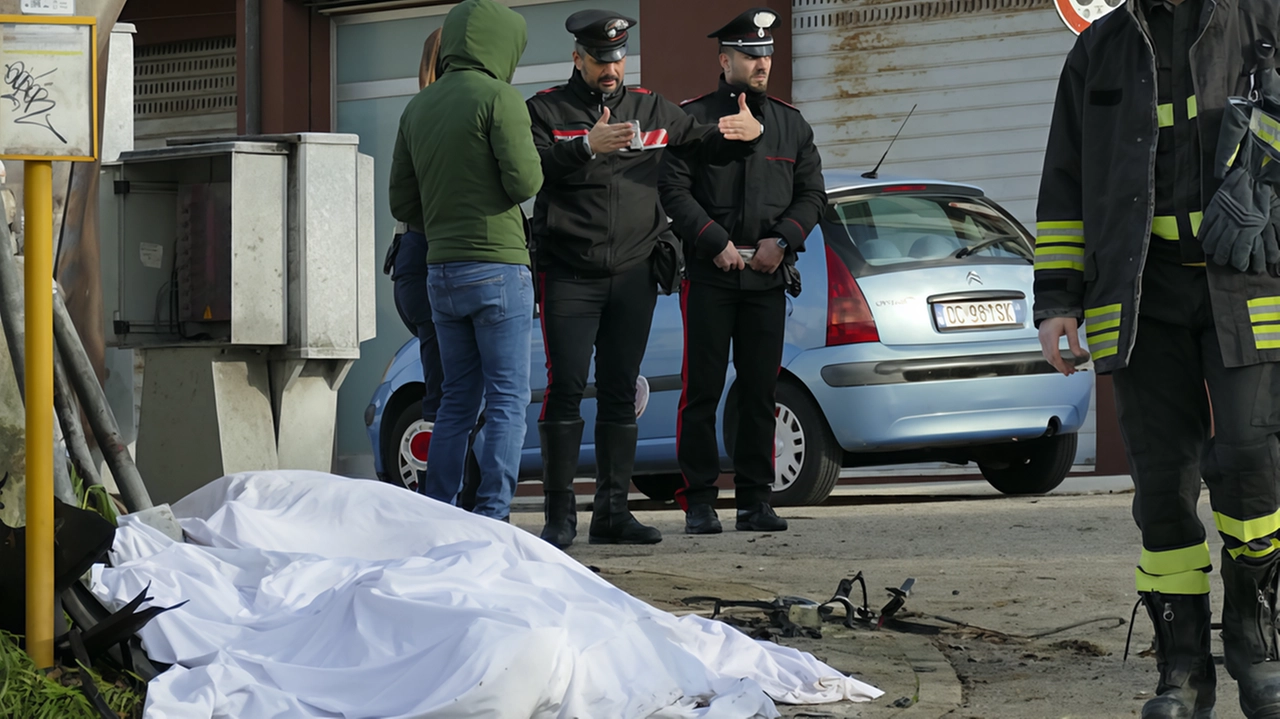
(28, 693)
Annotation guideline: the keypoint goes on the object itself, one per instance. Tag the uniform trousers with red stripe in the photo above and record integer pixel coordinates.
(611, 315)
(754, 323)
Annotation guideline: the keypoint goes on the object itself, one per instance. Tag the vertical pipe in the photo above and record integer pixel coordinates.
(38, 204)
(252, 67)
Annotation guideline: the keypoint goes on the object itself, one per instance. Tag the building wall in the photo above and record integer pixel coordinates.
(680, 58)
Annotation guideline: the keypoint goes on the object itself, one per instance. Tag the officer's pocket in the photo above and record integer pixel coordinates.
(780, 172)
(1090, 266)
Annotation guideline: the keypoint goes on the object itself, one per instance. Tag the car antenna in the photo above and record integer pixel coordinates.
(874, 173)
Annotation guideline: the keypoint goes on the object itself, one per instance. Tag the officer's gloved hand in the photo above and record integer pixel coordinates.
(1267, 253)
(1235, 219)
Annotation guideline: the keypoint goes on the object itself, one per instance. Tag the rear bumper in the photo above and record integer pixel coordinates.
(899, 403)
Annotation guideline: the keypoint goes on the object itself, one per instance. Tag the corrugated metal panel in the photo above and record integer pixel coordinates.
(982, 73)
(184, 89)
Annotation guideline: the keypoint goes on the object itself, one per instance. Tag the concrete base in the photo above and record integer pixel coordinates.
(207, 413)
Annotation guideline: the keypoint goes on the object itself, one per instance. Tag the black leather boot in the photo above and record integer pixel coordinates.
(1249, 640)
(560, 443)
(702, 519)
(611, 521)
(1187, 676)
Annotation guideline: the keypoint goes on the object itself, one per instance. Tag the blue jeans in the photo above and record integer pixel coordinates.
(483, 314)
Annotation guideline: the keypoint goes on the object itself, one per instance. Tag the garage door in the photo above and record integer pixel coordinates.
(981, 74)
(376, 59)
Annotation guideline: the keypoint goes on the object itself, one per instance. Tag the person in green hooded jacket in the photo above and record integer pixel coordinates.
(464, 160)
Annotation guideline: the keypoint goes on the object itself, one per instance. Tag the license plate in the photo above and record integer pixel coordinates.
(979, 315)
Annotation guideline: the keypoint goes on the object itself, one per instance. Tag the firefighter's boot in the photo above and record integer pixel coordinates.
(611, 521)
(1187, 675)
(560, 443)
(1249, 633)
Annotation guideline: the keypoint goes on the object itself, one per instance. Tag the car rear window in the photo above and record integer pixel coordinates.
(899, 229)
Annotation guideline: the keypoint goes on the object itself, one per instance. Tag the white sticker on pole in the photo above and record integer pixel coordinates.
(48, 88)
(1080, 14)
(49, 7)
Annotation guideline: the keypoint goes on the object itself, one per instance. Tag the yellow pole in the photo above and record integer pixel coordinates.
(37, 187)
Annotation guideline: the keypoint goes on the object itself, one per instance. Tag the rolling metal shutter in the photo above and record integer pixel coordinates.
(184, 89)
(982, 74)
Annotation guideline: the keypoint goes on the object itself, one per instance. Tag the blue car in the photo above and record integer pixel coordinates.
(912, 341)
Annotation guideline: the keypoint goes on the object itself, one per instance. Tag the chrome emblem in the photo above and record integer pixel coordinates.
(973, 278)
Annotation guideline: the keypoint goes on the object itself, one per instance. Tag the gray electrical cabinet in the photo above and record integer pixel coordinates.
(243, 269)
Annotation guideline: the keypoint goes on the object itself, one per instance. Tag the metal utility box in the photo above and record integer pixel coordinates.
(198, 247)
(243, 269)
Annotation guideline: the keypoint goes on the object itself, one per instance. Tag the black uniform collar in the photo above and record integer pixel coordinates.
(578, 86)
(755, 100)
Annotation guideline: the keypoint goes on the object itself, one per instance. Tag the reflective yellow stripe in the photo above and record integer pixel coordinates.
(1164, 115)
(1264, 317)
(1192, 109)
(1099, 311)
(1060, 225)
(1255, 553)
(1264, 303)
(1247, 530)
(1060, 265)
(1265, 129)
(1058, 256)
(1104, 325)
(1174, 561)
(1166, 226)
(1104, 344)
(1193, 582)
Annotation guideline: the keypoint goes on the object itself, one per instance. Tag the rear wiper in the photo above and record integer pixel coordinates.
(966, 251)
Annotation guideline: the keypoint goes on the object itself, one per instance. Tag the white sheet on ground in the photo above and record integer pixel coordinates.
(310, 595)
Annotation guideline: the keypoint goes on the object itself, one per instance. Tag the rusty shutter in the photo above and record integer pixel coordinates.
(982, 74)
(184, 89)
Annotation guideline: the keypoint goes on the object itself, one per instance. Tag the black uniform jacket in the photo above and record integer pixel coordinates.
(599, 216)
(1097, 196)
(775, 191)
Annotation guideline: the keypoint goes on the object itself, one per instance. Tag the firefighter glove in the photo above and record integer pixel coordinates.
(1268, 255)
(1234, 221)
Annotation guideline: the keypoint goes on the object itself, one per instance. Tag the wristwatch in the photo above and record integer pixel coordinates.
(782, 242)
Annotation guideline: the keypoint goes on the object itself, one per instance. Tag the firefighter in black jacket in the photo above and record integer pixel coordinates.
(1130, 200)
(764, 205)
(597, 227)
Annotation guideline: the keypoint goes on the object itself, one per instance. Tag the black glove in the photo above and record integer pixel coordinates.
(1235, 219)
(1267, 254)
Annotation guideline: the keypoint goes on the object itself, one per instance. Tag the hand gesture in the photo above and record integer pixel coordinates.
(744, 126)
(729, 258)
(605, 138)
(1051, 331)
(768, 256)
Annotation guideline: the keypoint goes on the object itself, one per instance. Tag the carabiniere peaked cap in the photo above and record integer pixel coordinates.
(749, 32)
(601, 32)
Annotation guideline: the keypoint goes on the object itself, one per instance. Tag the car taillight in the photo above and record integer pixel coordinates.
(905, 188)
(849, 319)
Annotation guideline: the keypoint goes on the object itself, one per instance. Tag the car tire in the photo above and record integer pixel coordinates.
(393, 464)
(1034, 467)
(659, 487)
(816, 456)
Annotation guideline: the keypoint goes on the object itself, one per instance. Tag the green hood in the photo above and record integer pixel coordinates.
(483, 35)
